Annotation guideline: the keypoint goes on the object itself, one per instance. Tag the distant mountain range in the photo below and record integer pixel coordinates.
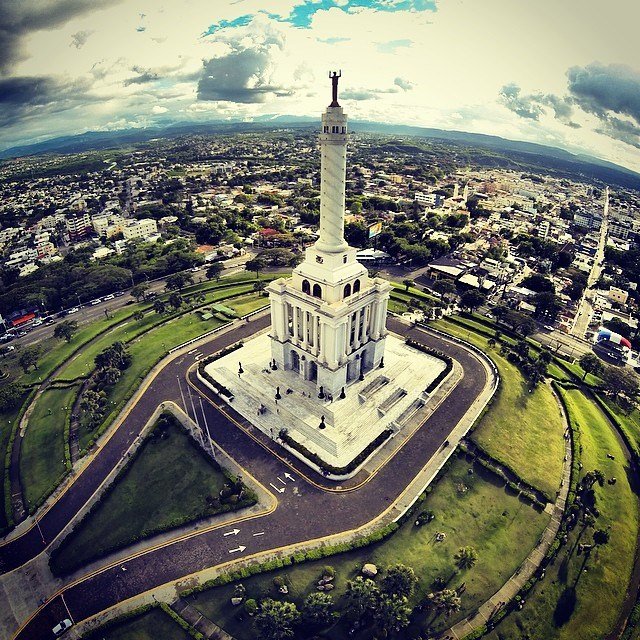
(535, 156)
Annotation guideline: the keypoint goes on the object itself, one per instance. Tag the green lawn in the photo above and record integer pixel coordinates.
(166, 485)
(146, 350)
(7, 422)
(153, 625)
(629, 423)
(42, 454)
(83, 364)
(247, 304)
(471, 510)
(601, 589)
(518, 421)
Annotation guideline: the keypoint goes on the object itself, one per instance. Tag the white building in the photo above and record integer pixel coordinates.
(328, 319)
(143, 228)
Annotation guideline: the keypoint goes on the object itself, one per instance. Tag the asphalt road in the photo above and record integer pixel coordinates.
(90, 313)
(305, 510)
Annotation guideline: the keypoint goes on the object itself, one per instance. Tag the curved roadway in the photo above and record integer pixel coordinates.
(315, 509)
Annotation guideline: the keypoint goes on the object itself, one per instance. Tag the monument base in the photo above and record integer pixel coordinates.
(335, 429)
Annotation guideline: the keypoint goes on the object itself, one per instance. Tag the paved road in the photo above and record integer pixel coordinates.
(90, 313)
(299, 516)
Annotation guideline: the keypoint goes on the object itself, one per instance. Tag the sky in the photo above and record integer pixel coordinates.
(565, 73)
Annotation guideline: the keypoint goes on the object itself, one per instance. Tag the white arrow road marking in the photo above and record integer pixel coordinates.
(278, 489)
(200, 355)
(192, 351)
(240, 549)
(290, 477)
(260, 533)
(233, 532)
(281, 480)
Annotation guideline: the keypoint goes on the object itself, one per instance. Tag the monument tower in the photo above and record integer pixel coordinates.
(328, 319)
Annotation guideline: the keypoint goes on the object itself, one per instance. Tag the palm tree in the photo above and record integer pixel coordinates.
(446, 601)
(407, 282)
(259, 287)
(466, 557)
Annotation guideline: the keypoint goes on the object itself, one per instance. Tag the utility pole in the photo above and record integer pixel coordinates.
(206, 426)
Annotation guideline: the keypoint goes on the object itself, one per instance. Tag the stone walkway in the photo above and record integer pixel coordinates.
(532, 562)
(199, 621)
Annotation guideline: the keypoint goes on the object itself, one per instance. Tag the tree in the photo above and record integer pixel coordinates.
(275, 619)
(407, 282)
(466, 557)
(317, 609)
(175, 300)
(109, 376)
(547, 304)
(138, 315)
(590, 363)
(116, 356)
(159, 306)
(256, 264)
(139, 292)
(10, 396)
(446, 601)
(444, 288)
(65, 330)
(259, 286)
(29, 358)
(214, 271)
(391, 613)
(177, 281)
(361, 597)
(472, 299)
(619, 382)
(400, 580)
(601, 536)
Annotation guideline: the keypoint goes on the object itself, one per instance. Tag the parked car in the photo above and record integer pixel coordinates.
(117, 294)
(96, 301)
(62, 627)
(36, 323)
(109, 297)
(74, 310)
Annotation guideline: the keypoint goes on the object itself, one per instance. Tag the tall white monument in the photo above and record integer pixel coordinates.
(328, 319)
(327, 336)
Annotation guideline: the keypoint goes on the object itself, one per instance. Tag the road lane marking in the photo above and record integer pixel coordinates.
(233, 532)
(278, 489)
(239, 549)
(260, 533)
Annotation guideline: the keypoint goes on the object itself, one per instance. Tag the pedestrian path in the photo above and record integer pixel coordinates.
(532, 562)
(198, 621)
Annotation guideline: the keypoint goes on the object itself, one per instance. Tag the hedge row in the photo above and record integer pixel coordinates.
(196, 635)
(116, 622)
(328, 468)
(296, 558)
(62, 567)
(220, 388)
(436, 354)
(519, 488)
(8, 508)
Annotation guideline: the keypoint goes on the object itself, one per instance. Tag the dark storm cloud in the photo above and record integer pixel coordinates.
(21, 97)
(601, 89)
(143, 78)
(532, 106)
(241, 76)
(21, 17)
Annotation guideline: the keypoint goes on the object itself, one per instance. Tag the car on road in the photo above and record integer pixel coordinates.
(96, 301)
(7, 337)
(549, 327)
(36, 323)
(62, 627)
(74, 310)
(50, 320)
(117, 294)
(8, 349)
(109, 297)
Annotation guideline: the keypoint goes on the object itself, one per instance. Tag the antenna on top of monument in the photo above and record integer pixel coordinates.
(334, 75)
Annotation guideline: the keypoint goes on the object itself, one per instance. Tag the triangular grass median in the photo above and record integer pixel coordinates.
(168, 482)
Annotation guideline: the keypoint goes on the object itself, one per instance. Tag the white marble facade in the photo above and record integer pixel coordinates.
(328, 319)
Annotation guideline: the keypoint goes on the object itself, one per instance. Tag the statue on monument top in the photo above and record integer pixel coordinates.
(334, 75)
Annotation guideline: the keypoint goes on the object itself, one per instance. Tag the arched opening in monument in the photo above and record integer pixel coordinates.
(306, 287)
(313, 371)
(347, 290)
(317, 291)
(356, 286)
(295, 361)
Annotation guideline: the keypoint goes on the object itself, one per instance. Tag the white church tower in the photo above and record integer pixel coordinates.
(328, 319)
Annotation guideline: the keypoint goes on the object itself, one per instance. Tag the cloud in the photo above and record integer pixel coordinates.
(523, 106)
(601, 89)
(79, 38)
(24, 96)
(249, 72)
(405, 85)
(392, 46)
(157, 109)
(21, 17)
